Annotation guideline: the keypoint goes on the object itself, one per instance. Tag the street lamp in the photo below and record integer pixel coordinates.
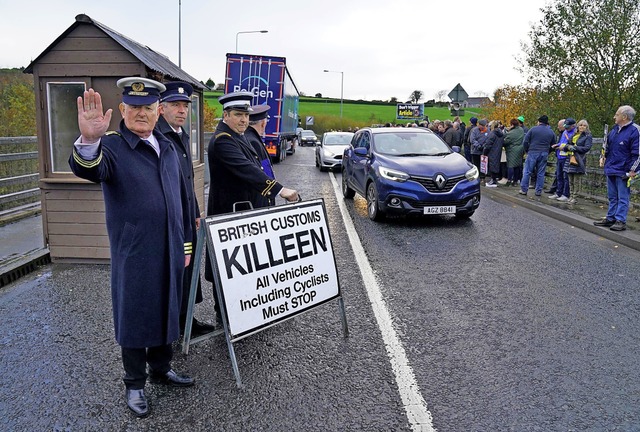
(251, 31)
(341, 88)
(179, 33)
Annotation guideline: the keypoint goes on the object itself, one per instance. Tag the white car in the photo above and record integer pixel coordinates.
(329, 152)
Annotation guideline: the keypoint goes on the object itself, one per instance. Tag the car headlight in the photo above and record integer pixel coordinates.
(472, 174)
(393, 175)
(329, 153)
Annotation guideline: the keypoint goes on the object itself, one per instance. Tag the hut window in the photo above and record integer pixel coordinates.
(63, 121)
(194, 123)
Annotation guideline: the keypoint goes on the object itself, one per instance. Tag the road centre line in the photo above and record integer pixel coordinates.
(414, 404)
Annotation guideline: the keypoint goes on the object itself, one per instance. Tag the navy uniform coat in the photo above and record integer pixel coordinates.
(144, 196)
(236, 175)
(183, 148)
(258, 145)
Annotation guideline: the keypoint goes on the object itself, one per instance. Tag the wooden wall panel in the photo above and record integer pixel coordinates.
(78, 240)
(86, 254)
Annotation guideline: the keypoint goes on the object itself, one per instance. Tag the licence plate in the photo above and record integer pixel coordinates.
(440, 210)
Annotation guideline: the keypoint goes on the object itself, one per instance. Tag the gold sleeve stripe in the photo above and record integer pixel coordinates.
(222, 134)
(267, 191)
(188, 248)
(85, 163)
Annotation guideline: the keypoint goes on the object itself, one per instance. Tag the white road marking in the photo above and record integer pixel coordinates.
(414, 404)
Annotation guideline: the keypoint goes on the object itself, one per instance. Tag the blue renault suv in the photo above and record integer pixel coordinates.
(404, 171)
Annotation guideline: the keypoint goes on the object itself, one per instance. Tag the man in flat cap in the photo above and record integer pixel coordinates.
(149, 234)
(174, 111)
(237, 173)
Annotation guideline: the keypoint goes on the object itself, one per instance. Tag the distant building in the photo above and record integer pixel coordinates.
(476, 102)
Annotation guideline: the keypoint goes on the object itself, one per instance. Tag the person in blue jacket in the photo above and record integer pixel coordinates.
(537, 144)
(622, 158)
(149, 234)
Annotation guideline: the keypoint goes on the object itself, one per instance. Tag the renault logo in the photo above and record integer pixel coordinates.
(440, 181)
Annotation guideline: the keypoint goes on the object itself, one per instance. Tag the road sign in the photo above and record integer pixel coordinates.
(458, 94)
(309, 120)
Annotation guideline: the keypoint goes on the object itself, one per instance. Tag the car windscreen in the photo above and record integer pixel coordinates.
(337, 139)
(409, 144)
(307, 133)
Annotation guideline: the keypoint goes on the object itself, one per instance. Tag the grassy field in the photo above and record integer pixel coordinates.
(327, 113)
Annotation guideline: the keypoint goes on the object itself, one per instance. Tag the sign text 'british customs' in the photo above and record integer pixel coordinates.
(273, 264)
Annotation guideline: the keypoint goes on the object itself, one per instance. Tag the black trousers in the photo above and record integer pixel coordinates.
(135, 362)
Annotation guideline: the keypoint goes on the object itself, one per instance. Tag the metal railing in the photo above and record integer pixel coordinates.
(18, 174)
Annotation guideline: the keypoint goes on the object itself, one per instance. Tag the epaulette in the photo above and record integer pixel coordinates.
(221, 134)
(113, 133)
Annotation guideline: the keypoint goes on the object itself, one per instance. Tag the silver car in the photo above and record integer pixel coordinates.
(329, 152)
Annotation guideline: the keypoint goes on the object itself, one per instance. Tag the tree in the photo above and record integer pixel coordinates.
(210, 83)
(209, 119)
(583, 55)
(17, 104)
(393, 100)
(415, 96)
(318, 95)
(510, 102)
(440, 94)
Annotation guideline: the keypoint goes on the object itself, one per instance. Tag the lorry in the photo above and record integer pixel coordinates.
(268, 78)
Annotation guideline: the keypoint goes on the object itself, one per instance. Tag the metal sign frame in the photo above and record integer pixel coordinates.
(206, 227)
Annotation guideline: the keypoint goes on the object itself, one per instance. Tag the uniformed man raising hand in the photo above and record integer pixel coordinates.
(144, 196)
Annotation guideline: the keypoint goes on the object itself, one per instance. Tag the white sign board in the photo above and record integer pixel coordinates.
(309, 120)
(272, 263)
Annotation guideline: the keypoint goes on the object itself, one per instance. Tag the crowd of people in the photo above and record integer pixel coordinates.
(514, 155)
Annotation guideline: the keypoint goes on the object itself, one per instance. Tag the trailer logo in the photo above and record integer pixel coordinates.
(253, 88)
(256, 77)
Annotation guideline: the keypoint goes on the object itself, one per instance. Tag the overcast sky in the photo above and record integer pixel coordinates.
(384, 48)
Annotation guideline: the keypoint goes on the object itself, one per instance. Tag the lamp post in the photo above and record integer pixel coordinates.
(250, 31)
(180, 33)
(341, 88)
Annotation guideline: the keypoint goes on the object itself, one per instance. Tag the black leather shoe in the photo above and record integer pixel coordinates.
(618, 226)
(171, 378)
(137, 402)
(200, 328)
(604, 222)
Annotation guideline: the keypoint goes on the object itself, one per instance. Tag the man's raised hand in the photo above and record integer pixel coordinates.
(91, 121)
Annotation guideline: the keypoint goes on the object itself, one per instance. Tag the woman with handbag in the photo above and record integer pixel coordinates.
(575, 164)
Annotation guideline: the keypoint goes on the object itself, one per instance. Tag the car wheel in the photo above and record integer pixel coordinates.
(317, 163)
(465, 215)
(347, 192)
(375, 214)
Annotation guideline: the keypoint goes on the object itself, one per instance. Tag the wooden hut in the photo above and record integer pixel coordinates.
(90, 54)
